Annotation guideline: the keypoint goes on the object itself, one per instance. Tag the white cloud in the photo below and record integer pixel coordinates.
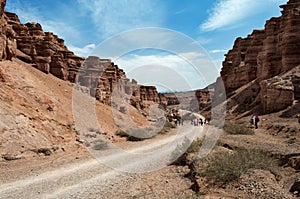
(218, 51)
(228, 12)
(112, 17)
(167, 71)
(82, 51)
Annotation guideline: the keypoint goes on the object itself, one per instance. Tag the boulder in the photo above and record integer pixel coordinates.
(276, 94)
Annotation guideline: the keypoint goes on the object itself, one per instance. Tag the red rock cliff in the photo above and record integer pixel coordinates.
(103, 78)
(265, 53)
(262, 55)
(44, 50)
(48, 53)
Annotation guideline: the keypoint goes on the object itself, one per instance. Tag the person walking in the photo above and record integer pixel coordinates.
(256, 120)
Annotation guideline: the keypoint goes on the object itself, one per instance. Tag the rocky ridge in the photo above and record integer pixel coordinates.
(44, 50)
(262, 61)
(104, 79)
(48, 53)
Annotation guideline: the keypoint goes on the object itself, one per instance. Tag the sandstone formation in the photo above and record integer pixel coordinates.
(44, 50)
(195, 101)
(261, 56)
(276, 93)
(7, 40)
(48, 53)
(104, 79)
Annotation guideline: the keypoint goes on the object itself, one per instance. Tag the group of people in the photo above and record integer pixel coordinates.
(178, 121)
(198, 122)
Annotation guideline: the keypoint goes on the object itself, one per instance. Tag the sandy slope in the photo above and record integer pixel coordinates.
(36, 111)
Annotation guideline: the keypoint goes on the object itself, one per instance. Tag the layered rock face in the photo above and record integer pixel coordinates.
(47, 52)
(263, 55)
(194, 101)
(104, 79)
(276, 93)
(7, 36)
(44, 50)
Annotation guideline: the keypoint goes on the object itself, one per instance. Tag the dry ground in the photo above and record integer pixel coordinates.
(36, 114)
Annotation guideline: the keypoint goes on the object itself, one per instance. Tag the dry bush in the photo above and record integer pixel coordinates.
(121, 133)
(195, 146)
(237, 129)
(100, 145)
(225, 167)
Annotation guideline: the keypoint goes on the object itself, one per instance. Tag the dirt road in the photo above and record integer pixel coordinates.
(112, 171)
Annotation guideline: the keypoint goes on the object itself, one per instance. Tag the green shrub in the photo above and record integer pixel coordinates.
(235, 129)
(225, 167)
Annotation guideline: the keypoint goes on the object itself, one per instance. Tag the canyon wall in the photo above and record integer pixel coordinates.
(45, 50)
(48, 53)
(255, 64)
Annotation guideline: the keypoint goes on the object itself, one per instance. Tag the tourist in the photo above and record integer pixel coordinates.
(201, 121)
(254, 120)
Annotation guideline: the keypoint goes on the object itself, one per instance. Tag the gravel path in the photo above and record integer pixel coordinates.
(92, 179)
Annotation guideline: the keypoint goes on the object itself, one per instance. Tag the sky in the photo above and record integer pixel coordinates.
(212, 24)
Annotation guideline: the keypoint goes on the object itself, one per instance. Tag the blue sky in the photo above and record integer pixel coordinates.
(84, 24)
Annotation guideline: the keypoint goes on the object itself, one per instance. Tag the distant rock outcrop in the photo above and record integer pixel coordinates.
(104, 78)
(260, 57)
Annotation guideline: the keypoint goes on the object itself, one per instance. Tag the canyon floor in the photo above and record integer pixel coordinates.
(43, 156)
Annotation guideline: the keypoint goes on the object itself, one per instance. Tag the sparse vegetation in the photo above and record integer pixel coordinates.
(90, 135)
(97, 131)
(123, 109)
(137, 134)
(46, 151)
(121, 133)
(217, 123)
(235, 129)
(133, 138)
(225, 167)
(167, 127)
(170, 125)
(195, 146)
(101, 145)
